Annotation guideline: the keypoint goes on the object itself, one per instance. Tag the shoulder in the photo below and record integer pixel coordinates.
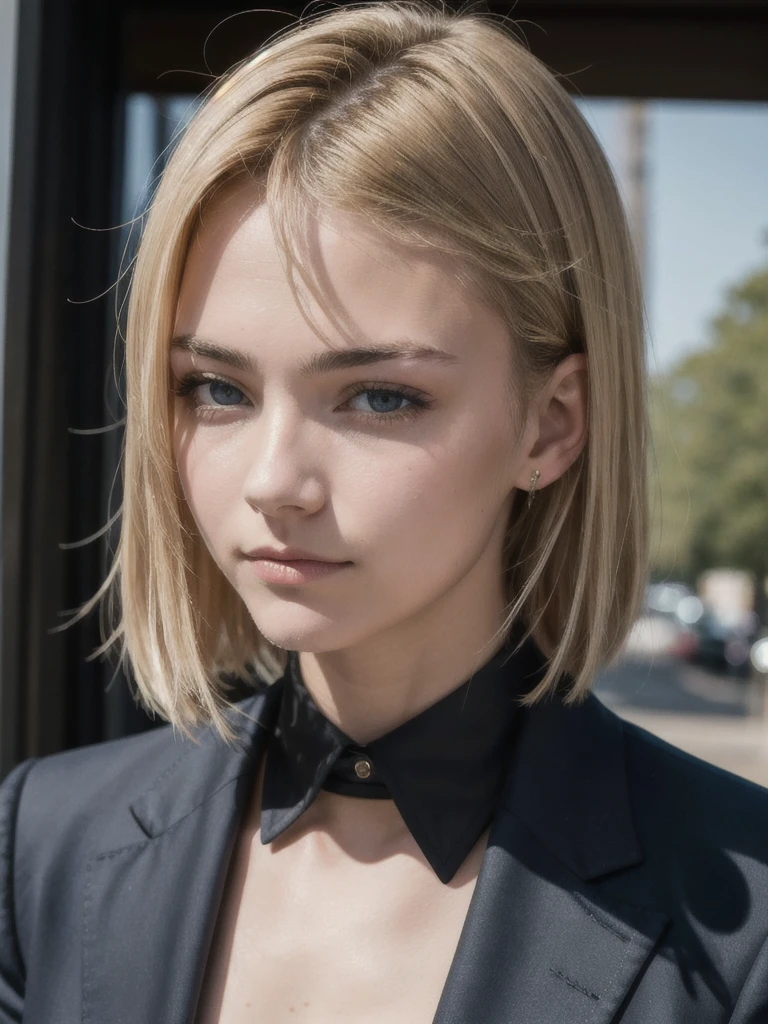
(69, 797)
(53, 809)
(655, 765)
(76, 797)
(59, 812)
(693, 808)
(101, 771)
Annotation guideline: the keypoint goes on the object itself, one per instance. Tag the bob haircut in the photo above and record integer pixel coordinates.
(444, 131)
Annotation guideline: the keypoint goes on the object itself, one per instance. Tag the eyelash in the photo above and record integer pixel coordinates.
(187, 386)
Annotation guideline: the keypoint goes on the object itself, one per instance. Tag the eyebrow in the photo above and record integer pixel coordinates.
(321, 362)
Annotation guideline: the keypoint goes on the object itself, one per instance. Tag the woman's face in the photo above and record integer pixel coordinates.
(402, 467)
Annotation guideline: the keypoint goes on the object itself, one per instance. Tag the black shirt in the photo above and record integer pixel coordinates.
(444, 768)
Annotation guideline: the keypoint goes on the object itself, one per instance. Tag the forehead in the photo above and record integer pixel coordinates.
(234, 281)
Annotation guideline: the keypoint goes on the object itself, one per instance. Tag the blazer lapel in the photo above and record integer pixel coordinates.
(541, 942)
(150, 907)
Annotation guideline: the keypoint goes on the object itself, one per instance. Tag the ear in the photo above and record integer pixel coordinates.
(557, 429)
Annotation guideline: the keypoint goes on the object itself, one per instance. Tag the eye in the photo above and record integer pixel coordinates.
(223, 393)
(388, 403)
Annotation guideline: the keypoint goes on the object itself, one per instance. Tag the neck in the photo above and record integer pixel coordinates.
(381, 682)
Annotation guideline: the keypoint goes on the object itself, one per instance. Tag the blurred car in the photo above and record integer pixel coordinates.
(676, 623)
(758, 655)
(663, 626)
(721, 647)
(653, 634)
(664, 598)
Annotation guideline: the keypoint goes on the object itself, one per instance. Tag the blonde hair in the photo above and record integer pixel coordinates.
(444, 131)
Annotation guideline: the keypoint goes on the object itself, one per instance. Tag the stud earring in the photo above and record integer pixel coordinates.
(532, 489)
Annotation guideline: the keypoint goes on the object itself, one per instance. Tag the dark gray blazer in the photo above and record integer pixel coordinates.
(623, 881)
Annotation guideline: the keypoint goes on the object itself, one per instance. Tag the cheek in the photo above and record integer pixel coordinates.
(210, 484)
(442, 499)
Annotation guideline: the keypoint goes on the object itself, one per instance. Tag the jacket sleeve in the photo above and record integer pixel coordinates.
(12, 970)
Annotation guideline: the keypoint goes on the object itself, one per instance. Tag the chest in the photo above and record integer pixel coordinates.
(306, 932)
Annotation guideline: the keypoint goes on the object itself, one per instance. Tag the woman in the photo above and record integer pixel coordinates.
(385, 451)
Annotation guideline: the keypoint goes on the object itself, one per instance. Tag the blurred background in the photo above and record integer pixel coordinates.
(91, 95)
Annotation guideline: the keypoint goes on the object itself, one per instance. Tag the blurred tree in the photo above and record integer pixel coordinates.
(709, 421)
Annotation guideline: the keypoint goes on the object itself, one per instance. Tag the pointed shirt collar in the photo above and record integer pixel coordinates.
(444, 768)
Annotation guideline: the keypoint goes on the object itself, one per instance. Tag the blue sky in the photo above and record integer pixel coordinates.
(707, 208)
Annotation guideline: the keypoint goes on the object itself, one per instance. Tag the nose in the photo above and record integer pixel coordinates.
(283, 473)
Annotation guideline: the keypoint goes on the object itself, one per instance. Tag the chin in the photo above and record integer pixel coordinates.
(294, 627)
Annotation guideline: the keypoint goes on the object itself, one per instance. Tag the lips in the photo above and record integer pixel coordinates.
(289, 555)
(294, 572)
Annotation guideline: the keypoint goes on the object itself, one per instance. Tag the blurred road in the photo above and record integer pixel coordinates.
(720, 719)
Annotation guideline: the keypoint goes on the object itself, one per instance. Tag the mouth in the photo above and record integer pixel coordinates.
(289, 555)
(293, 571)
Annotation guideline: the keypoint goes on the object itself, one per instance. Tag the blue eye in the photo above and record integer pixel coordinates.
(224, 393)
(191, 384)
(386, 403)
(382, 402)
